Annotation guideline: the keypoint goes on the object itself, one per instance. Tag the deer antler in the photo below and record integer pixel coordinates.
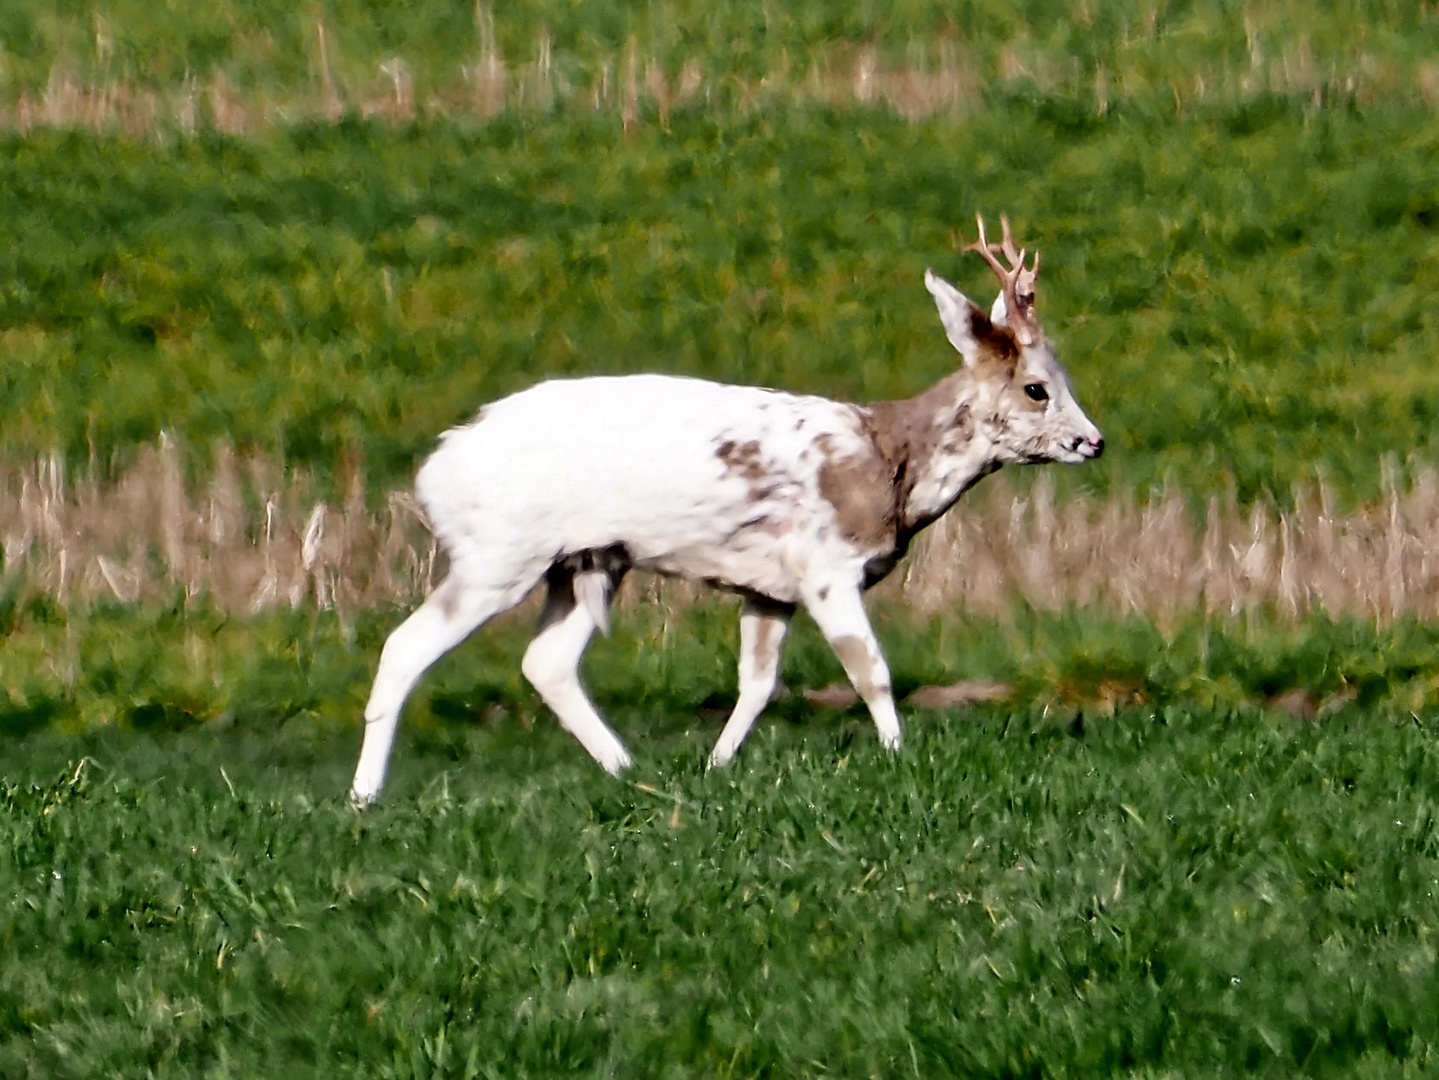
(1016, 279)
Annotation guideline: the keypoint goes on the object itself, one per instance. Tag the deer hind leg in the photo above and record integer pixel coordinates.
(552, 661)
(762, 628)
(839, 612)
(448, 616)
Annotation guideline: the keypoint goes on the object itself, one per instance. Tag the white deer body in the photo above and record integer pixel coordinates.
(787, 499)
(696, 479)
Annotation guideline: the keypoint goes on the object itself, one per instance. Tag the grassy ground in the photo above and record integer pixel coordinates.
(81, 671)
(1203, 850)
(1159, 891)
(1151, 860)
(1263, 271)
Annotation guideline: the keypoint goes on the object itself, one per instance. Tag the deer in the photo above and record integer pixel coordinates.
(786, 499)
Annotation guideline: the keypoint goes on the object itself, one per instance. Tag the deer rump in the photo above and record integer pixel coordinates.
(672, 475)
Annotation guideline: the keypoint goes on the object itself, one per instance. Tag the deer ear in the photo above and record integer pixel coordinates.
(957, 312)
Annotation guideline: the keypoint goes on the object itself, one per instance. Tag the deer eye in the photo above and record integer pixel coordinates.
(1036, 391)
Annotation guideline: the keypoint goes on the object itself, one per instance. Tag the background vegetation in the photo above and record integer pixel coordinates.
(1196, 836)
(1239, 279)
(1142, 49)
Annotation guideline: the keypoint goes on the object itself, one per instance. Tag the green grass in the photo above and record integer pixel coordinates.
(1240, 294)
(80, 671)
(1173, 891)
(1196, 883)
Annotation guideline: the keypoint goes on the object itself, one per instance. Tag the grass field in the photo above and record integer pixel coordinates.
(1144, 862)
(1212, 851)
(312, 295)
(254, 257)
(1159, 891)
(82, 670)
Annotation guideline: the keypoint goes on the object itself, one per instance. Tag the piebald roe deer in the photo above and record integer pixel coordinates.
(783, 498)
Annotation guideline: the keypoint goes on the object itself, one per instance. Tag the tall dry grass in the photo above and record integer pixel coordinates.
(1159, 559)
(633, 87)
(254, 535)
(640, 84)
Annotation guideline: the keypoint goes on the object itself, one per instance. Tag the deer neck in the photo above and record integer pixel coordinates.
(938, 444)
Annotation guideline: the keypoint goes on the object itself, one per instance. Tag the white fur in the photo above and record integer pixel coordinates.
(680, 476)
(574, 465)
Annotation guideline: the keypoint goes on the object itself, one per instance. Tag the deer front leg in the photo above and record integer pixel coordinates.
(838, 611)
(762, 627)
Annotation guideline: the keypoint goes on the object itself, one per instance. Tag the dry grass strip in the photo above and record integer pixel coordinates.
(1160, 560)
(943, 75)
(254, 536)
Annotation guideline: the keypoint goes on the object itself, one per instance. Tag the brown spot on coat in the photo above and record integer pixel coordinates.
(768, 635)
(862, 492)
(854, 654)
(760, 494)
(861, 487)
(745, 459)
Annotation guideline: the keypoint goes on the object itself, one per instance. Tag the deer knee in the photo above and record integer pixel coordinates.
(552, 660)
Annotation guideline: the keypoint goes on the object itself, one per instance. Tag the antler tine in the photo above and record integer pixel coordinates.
(986, 250)
(1016, 279)
(1010, 249)
(1015, 254)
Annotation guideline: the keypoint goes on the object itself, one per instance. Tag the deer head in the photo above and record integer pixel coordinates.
(1031, 411)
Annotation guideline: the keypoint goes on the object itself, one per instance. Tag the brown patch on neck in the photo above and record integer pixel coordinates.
(907, 433)
(870, 491)
(861, 488)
